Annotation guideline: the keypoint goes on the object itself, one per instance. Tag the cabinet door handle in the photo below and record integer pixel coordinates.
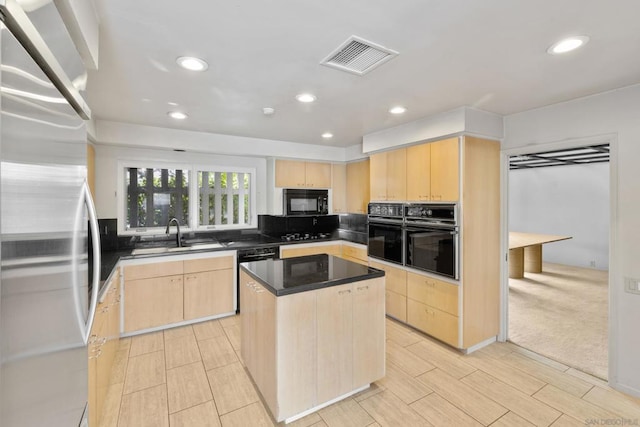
(93, 339)
(360, 288)
(258, 291)
(347, 291)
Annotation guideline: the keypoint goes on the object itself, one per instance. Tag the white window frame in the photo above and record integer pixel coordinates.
(195, 197)
(194, 214)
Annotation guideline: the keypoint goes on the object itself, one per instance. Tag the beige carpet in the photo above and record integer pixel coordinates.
(561, 313)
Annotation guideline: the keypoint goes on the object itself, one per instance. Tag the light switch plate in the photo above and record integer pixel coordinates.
(632, 285)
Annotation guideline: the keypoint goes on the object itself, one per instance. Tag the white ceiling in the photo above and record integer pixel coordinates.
(489, 54)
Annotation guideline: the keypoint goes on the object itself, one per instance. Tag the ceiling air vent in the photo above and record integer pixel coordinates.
(358, 56)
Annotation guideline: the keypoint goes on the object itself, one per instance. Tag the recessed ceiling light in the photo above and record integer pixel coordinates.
(567, 45)
(192, 63)
(397, 110)
(268, 111)
(305, 97)
(327, 135)
(178, 115)
(174, 104)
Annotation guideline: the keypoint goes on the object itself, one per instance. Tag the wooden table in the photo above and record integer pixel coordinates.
(525, 252)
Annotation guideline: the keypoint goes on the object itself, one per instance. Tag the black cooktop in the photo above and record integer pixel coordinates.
(254, 240)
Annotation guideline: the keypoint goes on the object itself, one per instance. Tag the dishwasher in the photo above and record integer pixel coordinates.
(254, 254)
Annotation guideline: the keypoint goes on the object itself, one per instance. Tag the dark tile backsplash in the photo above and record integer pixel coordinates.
(278, 225)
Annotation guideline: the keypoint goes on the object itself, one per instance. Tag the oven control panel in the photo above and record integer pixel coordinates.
(390, 210)
(434, 212)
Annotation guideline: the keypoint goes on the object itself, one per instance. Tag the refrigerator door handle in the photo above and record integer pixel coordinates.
(87, 201)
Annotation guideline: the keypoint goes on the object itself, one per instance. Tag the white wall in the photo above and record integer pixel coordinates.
(126, 134)
(564, 200)
(465, 120)
(108, 157)
(612, 115)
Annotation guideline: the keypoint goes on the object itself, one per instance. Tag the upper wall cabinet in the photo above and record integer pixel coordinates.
(388, 175)
(358, 187)
(350, 185)
(433, 171)
(296, 174)
(339, 187)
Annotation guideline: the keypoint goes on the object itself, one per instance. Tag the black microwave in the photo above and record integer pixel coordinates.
(305, 202)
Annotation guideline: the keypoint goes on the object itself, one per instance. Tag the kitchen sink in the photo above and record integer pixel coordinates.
(165, 249)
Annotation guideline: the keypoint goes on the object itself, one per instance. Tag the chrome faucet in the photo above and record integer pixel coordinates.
(178, 235)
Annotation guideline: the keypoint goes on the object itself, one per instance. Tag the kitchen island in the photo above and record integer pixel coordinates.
(312, 330)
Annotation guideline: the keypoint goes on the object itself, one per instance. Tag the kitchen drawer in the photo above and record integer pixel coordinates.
(156, 269)
(395, 278)
(432, 321)
(353, 252)
(396, 305)
(208, 264)
(433, 292)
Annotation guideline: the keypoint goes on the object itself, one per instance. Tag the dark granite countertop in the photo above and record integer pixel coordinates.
(300, 274)
(110, 258)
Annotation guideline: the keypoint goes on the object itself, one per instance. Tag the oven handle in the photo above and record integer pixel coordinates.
(453, 232)
(385, 221)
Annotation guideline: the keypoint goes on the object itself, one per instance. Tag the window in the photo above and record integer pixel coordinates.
(200, 197)
(154, 196)
(223, 198)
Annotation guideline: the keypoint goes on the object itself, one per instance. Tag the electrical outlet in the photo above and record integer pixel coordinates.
(592, 264)
(632, 285)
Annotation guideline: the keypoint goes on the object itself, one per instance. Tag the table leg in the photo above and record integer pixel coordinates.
(533, 259)
(516, 263)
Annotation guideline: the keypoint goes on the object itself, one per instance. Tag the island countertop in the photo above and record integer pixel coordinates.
(307, 273)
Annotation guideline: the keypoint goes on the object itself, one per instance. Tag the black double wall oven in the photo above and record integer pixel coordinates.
(431, 238)
(423, 236)
(385, 232)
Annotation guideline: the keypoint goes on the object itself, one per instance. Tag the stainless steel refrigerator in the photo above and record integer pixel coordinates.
(47, 299)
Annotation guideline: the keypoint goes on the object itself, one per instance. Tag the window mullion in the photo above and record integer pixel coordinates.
(241, 194)
(217, 212)
(229, 198)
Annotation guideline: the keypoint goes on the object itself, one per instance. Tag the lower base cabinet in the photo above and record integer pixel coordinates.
(305, 349)
(160, 293)
(103, 345)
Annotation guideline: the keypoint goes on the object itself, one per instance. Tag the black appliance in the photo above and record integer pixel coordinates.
(254, 254)
(431, 238)
(305, 202)
(385, 232)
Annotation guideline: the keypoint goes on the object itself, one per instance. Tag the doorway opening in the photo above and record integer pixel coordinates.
(558, 286)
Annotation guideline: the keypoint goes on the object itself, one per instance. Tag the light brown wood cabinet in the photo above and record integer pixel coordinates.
(358, 187)
(466, 314)
(163, 293)
(258, 337)
(313, 346)
(445, 170)
(434, 322)
(355, 253)
(313, 249)
(396, 290)
(298, 174)
(208, 287)
(433, 171)
(432, 307)
(368, 332)
(433, 292)
(335, 341)
(153, 302)
(388, 175)
(339, 187)
(103, 344)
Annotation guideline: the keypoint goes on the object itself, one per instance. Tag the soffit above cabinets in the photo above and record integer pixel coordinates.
(572, 156)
